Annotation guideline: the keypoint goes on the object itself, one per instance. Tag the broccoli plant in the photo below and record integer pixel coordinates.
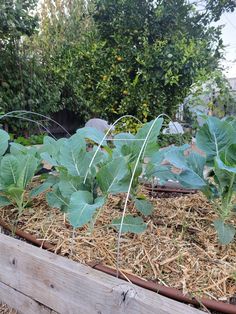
(217, 141)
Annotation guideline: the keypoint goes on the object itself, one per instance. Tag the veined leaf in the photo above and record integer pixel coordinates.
(156, 127)
(110, 176)
(49, 159)
(163, 173)
(214, 137)
(69, 184)
(70, 156)
(29, 166)
(192, 166)
(15, 193)
(123, 139)
(4, 201)
(151, 145)
(226, 232)
(4, 138)
(92, 134)
(225, 178)
(56, 200)
(143, 206)
(130, 224)
(221, 165)
(228, 156)
(50, 149)
(9, 170)
(190, 179)
(82, 208)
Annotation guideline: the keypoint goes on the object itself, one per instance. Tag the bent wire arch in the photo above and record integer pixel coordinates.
(20, 114)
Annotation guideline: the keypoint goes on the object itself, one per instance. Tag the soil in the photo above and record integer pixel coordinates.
(179, 248)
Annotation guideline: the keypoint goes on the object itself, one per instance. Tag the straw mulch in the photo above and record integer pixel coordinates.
(4, 309)
(179, 248)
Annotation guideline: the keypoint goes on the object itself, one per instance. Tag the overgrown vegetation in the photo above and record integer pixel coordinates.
(105, 58)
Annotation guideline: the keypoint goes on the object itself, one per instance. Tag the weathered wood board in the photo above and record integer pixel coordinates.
(36, 281)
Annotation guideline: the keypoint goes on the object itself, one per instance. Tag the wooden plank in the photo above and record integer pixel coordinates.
(21, 302)
(68, 287)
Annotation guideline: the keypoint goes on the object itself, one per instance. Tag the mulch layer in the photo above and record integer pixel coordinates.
(179, 249)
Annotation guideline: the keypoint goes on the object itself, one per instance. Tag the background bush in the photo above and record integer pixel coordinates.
(106, 58)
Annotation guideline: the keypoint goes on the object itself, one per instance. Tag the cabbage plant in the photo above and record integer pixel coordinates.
(85, 178)
(217, 141)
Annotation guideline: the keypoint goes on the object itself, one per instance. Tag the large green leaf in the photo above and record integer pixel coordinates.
(69, 184)
(225, 178)
(155, 167)
(130, 224)
(191, 166)
(9, 170)
(75, 158)
(50, 159)
(92, 134)
(82, 208)
(156, 127)
(16, 148)
(151, 146)
(28, 166)
(214, 137)
(110, 176)
(15, 193)
(4, 201)
(163, 173)
(51, 149)
(122, 139)
(177, 159)
(143, 206)
(226, 232)
(71, 155)
(4, 138)
(222, 166)
(228, 156)
(191, 180)
(55, 199)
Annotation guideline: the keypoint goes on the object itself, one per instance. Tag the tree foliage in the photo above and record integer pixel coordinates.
(106, 58)
(144, 56)
(24, 83)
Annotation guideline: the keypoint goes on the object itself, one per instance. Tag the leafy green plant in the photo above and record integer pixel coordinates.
(17, 169)
(217, 141)
(86, 178)
(17, 172)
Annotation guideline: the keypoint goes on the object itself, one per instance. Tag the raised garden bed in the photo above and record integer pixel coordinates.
(35, 281)
(178, 250)
(186, 243)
